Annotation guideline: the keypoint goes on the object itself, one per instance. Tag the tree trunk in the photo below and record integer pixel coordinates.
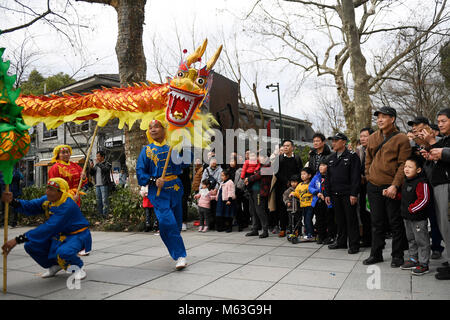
(132, 69)
(361, 100)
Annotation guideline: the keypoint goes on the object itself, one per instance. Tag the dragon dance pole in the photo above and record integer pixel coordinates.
(165, 168)
(5, 239)
(87, 159)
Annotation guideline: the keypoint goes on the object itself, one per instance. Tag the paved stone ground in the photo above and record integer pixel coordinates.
(222, 266)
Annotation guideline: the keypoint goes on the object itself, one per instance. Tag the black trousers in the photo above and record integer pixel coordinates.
(258, 209)
(242, 209)
(323, 221)
(281, 208)
(346, 220)
(320, 212)
(331, 223)
(365, 216)
(380, 208)
(212, 215)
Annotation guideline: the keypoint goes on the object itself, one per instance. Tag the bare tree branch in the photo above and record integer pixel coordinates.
(39, 17)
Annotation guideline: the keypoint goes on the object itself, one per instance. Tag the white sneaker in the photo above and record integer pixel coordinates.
(181, 263)
(80, 274)
(205, 229)
(200, 229)
(83, 253)
(51, 272)
(183, 227)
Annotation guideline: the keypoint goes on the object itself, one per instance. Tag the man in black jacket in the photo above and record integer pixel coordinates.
(102, 175)
(289, 164)
(344, 177)
(440, 180)
(363, 213)
(319, 153)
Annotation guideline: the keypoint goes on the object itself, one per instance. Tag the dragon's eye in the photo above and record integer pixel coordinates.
(200, 81)
(180, 74)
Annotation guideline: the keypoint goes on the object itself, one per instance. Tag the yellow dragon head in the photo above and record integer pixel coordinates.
(188, 88)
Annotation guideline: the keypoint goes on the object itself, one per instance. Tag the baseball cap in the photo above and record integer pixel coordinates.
(418, 120)
(386, 110)
(338, 136)
(434, 126)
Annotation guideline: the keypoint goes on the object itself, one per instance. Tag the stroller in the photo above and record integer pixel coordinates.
(295, 222)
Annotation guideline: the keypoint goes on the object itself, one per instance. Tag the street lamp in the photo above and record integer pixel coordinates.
(277, 86)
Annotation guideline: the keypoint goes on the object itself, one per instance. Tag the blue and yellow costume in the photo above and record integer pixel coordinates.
(168, 205)
(59, 239)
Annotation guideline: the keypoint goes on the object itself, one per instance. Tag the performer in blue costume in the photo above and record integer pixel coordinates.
(168, 205)
(55, 243)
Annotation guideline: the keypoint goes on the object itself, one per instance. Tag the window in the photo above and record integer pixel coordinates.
(78, 128)
(48, 134)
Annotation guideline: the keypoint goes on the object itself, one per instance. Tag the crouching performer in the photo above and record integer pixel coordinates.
(55, 243)
(168, 205)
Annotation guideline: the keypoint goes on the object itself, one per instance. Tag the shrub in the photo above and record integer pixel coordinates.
(29, 193)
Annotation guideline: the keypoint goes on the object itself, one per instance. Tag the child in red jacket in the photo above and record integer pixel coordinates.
(250, 166)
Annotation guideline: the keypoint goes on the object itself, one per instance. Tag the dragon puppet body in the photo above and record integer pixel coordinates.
(176, 104)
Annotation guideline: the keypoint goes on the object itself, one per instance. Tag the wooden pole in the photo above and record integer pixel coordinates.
(87, 159)
(5, 239)
(165, 168)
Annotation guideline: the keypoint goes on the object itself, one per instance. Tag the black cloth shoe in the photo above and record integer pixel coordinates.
(397, 262)
(442, 276)
(353, 250)
(436, 255)
(365, 244)
(319, 241)
(336, 246)
(265, 234)
(252, 233)
(372, 260)
(443, 270)
(148, 228)
(445, 264)
(328, 241)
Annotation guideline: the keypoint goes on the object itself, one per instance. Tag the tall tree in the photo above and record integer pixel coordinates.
(417, 87)
(132, 67)
(346, 25)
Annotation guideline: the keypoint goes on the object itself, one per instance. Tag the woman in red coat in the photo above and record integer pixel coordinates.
(69, 171)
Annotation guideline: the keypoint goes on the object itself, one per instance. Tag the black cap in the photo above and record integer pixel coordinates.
(386, 110)
(418, 120)
(434, 127)
(338, 136)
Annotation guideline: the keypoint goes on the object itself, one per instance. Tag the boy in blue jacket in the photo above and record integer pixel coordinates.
(325, 224)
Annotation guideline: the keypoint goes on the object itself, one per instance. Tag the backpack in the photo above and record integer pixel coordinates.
(211, 179)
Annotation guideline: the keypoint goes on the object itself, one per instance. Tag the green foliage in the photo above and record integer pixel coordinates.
(29, 193)
(125, 205)
(126, 212)
(303, 152)
(89, 203)
(36, 81)
(32, 192)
